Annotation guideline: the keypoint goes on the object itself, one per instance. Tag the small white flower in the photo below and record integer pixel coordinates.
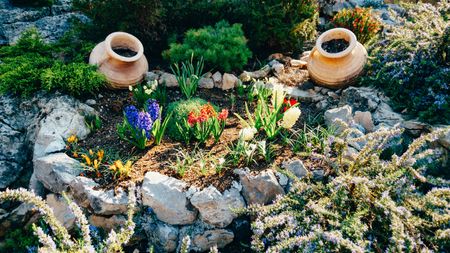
(221, 161)
(247, 133)
(278, 95)
(148, 92)
(130, 88)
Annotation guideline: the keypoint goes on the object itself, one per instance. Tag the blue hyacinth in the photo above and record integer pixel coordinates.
(152, 107)
(131, 114)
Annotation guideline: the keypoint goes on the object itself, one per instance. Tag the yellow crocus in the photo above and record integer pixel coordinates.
(72, 139)
(87, 159)
(96, 164)
(100, 154)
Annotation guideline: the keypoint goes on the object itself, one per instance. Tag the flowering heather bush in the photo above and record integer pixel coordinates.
(365, 205)
(360, 21)
(59, 240)
(411, 62)
(202, 123)
(139, 126)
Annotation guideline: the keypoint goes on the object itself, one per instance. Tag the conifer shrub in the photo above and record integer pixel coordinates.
(32, 3)
(360, 21)
(223, 46)
(31, 65)
(411, 65)
(366, 204)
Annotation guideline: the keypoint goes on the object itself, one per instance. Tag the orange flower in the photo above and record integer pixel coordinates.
(223, 115)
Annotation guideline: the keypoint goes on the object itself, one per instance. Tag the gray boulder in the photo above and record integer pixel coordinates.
(261, 188)
(216, 208)
(167, 197)
(161, 235)
(56, 171)
(296, 167)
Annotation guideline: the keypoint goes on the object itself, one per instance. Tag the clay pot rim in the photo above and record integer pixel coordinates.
(119, 57)
(348, 50)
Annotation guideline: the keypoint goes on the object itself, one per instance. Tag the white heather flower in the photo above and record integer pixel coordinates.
(247, 133)
(290, 117)
(221, 161)
(277, 96)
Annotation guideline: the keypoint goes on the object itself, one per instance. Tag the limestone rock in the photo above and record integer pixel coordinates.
(217, 78)
(103, 202)
(206, 83)
(165, 195)
(261, 188)
(61, 210)
(163, 236)
(296, 167)
(211, 238)
(298, 63)
(215, 207)
(259, 74)
(343, 113)
(444, 140)
(385, 114)
(169, 80)
(360, 98)
(151, 76)
(108, 223)
(365, 120)
(56, 171)
(277, 68)
(229, 81)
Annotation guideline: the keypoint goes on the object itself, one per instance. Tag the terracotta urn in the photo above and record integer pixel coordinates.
(336, 70)
(121, 58)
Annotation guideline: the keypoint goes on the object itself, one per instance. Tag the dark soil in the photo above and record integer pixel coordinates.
(162, 158)
(126, 52)
(335, 46)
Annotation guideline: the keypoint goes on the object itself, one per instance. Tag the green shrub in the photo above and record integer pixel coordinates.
(223, 46)
(142, 18)
(74, 78)
(366, 204)
(360, 21)
(180, 110)
(33, 3)
(20, 240)
(21, 75)
(30, 65)
(411, 64)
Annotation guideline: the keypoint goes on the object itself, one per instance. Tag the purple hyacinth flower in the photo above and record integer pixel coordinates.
(145, 123)
(153, 109)
(131, 114)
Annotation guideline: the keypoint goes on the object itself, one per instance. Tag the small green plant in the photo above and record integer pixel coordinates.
(360, 21)
(310, 140)
(222, 46)
(93, 122)
(198, 161)
(188, 76)
(159, 128)
(270, 117)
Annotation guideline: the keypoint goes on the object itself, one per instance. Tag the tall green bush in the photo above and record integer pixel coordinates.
(223, 46)
(411, 65)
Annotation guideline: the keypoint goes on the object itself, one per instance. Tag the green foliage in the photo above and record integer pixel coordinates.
(32, 3)
(180, 111)
(159, 127)
(74, 78)
(142, 18)
(188, 76)
(21, 75)
(93, 122)
(411, 63)
(360, 21)
(223, 46)
(366, 204)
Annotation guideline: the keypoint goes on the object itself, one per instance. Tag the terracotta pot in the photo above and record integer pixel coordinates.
(336, 70)
(120, 71)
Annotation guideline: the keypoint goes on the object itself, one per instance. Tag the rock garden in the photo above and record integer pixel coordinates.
(224, 126)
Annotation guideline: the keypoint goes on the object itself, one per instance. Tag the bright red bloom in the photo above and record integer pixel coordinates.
(288, 103)
(192, 119)
(223, 115)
